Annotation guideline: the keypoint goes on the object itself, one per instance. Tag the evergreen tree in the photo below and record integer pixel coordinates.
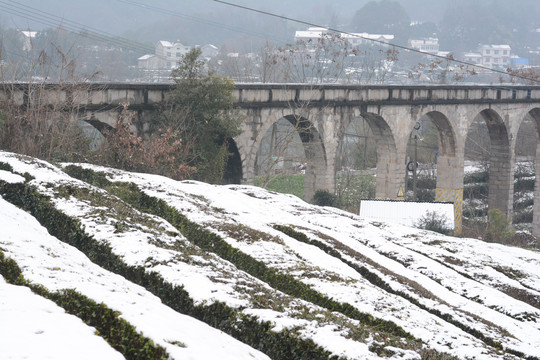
(200, 107)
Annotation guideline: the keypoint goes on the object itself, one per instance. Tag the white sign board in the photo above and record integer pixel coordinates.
(405, 212)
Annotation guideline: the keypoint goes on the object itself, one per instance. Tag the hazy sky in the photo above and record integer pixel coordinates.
(120, 16)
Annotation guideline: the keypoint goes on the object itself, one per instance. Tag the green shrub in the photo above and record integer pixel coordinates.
(6, 166)
(524, 184)
(523, 217)
(352, 188)
(434, 222)
(498, 227)
(476, 177)
(325, 198)
(475, 191)
(10, 270)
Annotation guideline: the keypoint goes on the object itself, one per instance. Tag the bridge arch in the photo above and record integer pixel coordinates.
(446, 134)
(443, 154)
(389, 176)
(500, 158)
(96, 136)
(300, 128)
(534, 115)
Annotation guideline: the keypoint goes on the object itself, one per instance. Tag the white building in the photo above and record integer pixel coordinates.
(490, 56)
(169, 53)
(149, 62)
(356, 39)
(427, 45)
(495, 55)
(473, 58)
(27, 37)
(208, 51)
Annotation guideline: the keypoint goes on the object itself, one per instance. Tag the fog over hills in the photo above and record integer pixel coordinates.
(126, 17)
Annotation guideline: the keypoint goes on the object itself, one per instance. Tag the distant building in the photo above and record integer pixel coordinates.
(356, 39)
(427, 45)
(167, 55)
(27, 37)
(473, 58)
(495, 55)
(149, 62)
(490, 56)
(208, 51)
(519, 62)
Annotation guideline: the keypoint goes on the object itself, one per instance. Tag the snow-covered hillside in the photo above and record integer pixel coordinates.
(285, 278)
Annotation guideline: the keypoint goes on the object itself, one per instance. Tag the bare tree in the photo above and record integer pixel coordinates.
(329, 59)
(43, 122)
(441, 71)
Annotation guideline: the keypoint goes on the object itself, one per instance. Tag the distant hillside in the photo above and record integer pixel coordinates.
(197, 22)
(190, 270)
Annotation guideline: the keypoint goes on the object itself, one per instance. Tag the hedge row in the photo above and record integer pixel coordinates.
(377, 281)
(211, 242)
(282, 345)
(120, 334)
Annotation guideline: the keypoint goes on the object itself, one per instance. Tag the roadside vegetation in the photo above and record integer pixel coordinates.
(187, 138)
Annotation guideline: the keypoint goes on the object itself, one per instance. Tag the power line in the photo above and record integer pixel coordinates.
(374, 40)
(48, 19)
(199, 20)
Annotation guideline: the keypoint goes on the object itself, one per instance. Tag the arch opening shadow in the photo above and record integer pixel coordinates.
(489, 176)
(233, 169)
(389, 169)
(95, 136)
(431, 158)
(356, 164)
(292, 146)
(526, 208)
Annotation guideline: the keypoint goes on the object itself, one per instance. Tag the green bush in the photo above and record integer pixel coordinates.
(352, 188)
(10, 270)
(5, 166)
(325, 198)
(498, 227)
(434, 222)
(524, 184)
(475, 191)
(476, 177)
(523, 217)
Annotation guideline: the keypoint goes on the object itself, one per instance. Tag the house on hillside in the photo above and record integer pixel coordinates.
(313, 34)
(27, 36)
(169, 53)
(490, 56)
(495, 55)
(427, 45)
(473, 58)
(149, 62)
(209, 51)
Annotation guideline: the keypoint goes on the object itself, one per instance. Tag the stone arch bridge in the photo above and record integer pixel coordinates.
(322, 113)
